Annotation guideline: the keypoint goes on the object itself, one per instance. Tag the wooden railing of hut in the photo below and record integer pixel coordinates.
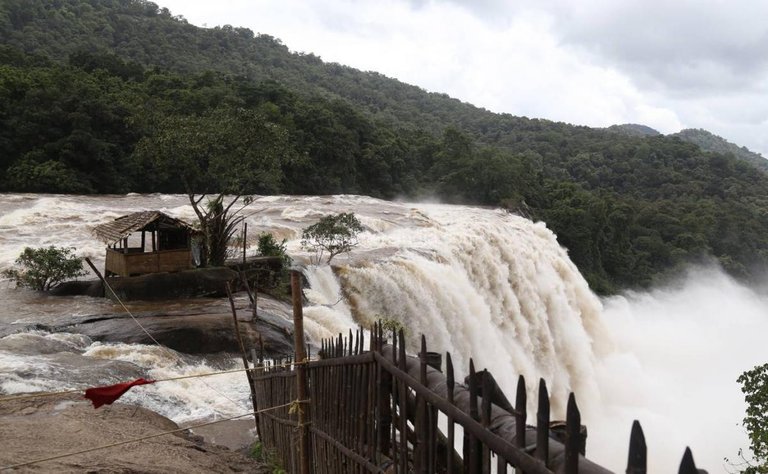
(377, 410)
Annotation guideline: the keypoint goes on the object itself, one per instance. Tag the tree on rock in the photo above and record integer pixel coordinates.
(334, 234)
(228, 153)
(44, 268)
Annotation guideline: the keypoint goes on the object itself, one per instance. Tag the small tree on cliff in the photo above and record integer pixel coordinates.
(44, 268)
(333, 234)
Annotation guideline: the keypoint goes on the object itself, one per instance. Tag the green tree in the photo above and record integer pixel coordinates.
(334, 234)
(754, 385)
(228, 152)
(45, 267)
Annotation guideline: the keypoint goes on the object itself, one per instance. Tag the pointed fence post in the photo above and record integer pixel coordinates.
(301, 374)
(485, 418)
(687, 466)
(403, 410)
(521, 407)
(475, 464)
(572, 436)
(638, 452)
(542, 423)
(420, 454)
(449, 384)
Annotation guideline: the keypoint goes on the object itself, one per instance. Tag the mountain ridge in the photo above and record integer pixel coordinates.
(96, 90)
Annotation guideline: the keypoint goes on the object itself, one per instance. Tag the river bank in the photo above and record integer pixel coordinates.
(34, 429)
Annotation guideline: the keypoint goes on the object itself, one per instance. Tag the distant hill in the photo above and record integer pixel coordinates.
(708, 141)
(634, 130)
(113, 96)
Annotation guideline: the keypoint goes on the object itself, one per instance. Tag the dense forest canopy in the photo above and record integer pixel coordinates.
(112, 96)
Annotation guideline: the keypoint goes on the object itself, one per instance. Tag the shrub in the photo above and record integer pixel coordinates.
(269, 247)
(334, 234)
(45, 267)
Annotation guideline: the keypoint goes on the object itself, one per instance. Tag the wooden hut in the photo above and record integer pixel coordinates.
(167, 248)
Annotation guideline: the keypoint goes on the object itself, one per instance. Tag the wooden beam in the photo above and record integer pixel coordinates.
(301, 374)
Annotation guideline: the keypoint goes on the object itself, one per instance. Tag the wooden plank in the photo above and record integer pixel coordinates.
(301, 376)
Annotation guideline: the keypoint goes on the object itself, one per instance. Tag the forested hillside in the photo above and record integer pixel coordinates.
(708, 141)
(112, 96)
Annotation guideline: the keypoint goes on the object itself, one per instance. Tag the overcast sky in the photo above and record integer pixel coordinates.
(668, 64)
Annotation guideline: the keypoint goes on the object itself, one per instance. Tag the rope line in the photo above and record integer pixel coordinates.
(143, 438)
(169, 379)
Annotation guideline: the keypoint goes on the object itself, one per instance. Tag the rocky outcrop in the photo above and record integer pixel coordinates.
(207, 329)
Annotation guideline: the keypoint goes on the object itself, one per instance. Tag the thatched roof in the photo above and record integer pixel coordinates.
(124, 226)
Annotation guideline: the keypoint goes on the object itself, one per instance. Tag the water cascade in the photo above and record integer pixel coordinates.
(479, 283)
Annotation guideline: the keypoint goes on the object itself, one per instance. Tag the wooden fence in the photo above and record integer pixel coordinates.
(378, 410)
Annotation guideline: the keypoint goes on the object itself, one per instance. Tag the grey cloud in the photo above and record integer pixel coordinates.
(679, 46)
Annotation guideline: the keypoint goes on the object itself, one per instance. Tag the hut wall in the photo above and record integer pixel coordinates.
(149, 262)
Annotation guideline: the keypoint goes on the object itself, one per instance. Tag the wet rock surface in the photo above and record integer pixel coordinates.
(205, 328)
(203, 331)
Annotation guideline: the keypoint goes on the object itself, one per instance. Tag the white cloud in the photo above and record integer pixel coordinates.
(598, 62)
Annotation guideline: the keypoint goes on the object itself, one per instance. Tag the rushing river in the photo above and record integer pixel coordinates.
(478, 282)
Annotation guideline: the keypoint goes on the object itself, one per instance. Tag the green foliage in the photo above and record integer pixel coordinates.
(257, 451)
(754, 385)
(392, 325)
(219, 226)
(269, 247)
(260, 453)
(44, 268)
(120, 95)
(334, 234)
(226, 150)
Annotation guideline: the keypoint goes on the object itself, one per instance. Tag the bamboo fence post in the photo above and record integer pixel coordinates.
(245, 239)
(244, 355)
(301, 375)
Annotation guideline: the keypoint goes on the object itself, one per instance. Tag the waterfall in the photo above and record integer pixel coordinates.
(479, 283)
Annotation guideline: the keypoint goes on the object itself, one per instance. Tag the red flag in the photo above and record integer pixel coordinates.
(108, 394)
